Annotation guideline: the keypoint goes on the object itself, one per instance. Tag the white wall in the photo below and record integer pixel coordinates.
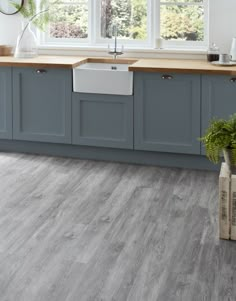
(9, 29)
(222, 24)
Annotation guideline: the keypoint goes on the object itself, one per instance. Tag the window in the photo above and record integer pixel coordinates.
(183, 22)
(130, 17)
(70, 21)
(139, 22)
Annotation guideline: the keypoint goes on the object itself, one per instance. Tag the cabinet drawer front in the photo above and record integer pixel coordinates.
(102, 120)
(218, 99)
(42, 105)
(5, 103)
(167, 112)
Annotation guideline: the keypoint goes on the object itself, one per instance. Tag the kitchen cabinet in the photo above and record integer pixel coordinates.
(5, 103)
(218, 98)
(167, 112)
(42, 104)
(102, 120)
(160, 124)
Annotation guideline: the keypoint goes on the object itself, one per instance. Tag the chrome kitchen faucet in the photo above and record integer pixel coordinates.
(115, 51)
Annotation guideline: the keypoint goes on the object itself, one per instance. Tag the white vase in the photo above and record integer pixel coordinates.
(26, 46)
(233, 49)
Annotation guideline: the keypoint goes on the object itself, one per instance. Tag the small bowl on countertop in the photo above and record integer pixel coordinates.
(5, 50)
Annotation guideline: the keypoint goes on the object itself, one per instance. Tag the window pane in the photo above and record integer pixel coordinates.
(70, 20)
(181, 22)
(129, 15)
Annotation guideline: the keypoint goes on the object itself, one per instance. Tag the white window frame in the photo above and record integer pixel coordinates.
(168, 44)
(46, 40)
(153, 31)
(131, 43)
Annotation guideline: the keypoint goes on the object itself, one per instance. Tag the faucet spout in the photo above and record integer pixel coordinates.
(115, 51)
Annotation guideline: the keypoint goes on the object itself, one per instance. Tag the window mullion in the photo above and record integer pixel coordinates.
(206, 21)
(90, 21)
(156, 20)
(97, 23)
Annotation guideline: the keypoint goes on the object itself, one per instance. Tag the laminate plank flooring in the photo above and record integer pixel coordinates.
(77, 230)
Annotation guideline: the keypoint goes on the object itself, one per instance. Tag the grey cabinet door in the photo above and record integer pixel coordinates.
(42, 105)
(218, 98)
(167, 112)
(102, 120)
(5, 103)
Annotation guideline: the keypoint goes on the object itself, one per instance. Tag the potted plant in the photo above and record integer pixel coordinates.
(220, 137)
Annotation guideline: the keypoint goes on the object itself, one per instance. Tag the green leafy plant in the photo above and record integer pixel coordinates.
(220, 136)
(39, 15)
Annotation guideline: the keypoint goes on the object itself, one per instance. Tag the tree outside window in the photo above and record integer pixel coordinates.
(176, 20)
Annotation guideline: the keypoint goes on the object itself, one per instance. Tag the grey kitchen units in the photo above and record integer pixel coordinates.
(167, 112)
(102, 120)
(161, 122)
(218, 97)
(42, 105)
(5, 103)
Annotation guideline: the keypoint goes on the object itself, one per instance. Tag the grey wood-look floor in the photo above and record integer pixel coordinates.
(74, 230)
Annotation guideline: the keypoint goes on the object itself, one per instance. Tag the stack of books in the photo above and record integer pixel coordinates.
(227, 203)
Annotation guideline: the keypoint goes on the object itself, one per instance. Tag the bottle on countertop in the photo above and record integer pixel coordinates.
(213, 53)
(233, 49)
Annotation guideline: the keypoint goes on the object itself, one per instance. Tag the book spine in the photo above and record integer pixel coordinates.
(224, 199)
(233, 207)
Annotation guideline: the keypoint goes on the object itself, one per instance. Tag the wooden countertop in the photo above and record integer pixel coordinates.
(43, 61)
(49, 61)
(180, 66)
(142, 65)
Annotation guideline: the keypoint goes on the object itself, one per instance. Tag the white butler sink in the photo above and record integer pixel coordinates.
(103, 78)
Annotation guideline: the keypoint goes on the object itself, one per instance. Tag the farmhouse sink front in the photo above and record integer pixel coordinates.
(103, 78)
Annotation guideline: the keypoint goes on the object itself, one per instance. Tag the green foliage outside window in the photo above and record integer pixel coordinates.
(182, 23)
(130, 17)
(70, 19)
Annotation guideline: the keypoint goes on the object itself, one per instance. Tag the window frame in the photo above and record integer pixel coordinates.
(46, 40)
(99, 41)
(153, 31)
(168, 44)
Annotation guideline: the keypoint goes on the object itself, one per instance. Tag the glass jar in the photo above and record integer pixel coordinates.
(213, 53)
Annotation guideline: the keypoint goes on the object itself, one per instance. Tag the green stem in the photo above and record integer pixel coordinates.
(30, 20)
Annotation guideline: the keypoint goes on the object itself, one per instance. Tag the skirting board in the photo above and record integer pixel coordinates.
(109, 154)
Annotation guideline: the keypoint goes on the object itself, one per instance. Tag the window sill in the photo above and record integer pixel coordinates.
(128, 52)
